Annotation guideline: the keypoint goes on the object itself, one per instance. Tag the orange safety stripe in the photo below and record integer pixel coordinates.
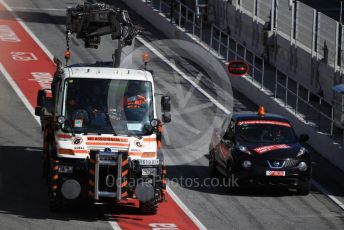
(124, 162)
(148, 154)
(124, 173)
(64, 136)
(72, 151)
(55, 177)
(135, 153)
(115, 144)
(108, 139)
(91, 182)
(124, 184)
(164, 181)
(124, 194)
(143, 154)
(56, 168)
(54, 187)
(149, 139)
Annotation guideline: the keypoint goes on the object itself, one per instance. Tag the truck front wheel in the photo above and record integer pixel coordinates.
(149, 207)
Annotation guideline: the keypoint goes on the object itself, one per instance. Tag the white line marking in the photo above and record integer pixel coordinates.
(40, 44)
(185, 208)
(328, 194)
(114, 225)
(181, 73)
(18, 92)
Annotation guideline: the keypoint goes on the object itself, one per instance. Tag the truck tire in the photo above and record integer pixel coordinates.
(149, 207)
(56, 204)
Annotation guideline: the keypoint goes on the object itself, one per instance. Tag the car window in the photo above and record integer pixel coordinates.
(270, 132)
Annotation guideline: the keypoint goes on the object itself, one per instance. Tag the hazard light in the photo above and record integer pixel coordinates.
(238, 68)
(145, 57)
(261, 111)
(67, 54)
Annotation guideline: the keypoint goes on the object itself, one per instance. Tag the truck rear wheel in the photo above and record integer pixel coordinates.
(56, 204)
(149, 207)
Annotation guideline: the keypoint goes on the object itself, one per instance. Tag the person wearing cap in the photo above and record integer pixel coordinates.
(78, 116)
(134, 102)
(133, 98)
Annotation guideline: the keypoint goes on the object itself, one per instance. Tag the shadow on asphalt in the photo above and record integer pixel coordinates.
(23, 191)
(197, 177)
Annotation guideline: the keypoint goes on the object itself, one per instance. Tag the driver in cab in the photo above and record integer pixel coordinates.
(133, 98)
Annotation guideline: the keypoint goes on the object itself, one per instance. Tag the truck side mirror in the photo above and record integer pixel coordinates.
(40, 97)
(303, 138)
(165, 103)
(166, 117)
(38, 111)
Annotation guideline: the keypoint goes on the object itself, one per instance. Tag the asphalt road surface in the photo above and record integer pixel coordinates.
(23, 194)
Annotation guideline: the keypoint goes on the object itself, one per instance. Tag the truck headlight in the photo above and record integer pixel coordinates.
(149, 171)
(65, 169)
(302, 166)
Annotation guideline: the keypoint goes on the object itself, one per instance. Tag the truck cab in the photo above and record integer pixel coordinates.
(102, 137)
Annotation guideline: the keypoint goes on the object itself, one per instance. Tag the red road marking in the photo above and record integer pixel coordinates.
(11, 54)
(23, 59)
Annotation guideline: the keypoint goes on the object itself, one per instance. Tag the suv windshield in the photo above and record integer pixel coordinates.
(108, 106)
(265, 132)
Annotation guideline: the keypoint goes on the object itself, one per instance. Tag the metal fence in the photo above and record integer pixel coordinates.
(297, 97)
(305, 26)
(327, 38)
(285, 18)
(264, 11)
(249, 6)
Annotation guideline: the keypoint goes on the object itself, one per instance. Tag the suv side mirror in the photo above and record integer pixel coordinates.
(166, 117)
(303, 138)
(165, 103)
(40, 97)
(38, 111)
(228, 136)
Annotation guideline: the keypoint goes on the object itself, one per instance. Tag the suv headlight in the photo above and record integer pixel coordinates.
(301, 152)
(244, 150)
(302, 166)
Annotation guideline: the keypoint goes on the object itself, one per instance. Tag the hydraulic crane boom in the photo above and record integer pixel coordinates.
(92, 21)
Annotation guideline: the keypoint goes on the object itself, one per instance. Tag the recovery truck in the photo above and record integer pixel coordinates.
(101, 132)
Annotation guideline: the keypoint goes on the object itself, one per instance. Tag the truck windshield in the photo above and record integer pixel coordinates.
(108, 106)
(265, 132)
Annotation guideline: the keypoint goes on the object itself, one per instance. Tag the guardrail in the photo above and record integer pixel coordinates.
(309, 106)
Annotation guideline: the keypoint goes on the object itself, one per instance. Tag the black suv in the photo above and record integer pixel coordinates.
(261, 149)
